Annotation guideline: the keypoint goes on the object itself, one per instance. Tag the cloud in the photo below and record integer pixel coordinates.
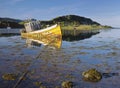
(17, 0)
(113, 21)
(108, 20)
(49, 13)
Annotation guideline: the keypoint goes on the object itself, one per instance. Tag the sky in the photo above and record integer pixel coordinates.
(106, 12)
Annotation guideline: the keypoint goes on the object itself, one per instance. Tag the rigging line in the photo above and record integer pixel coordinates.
(28, 70)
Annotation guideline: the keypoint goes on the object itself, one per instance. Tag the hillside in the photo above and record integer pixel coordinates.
(77, 19)
(13, 23)
(70, 20)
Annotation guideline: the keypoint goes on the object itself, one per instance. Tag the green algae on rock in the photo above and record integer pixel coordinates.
(38, 83)
(9, 76)
(67, 84)
(92, 75)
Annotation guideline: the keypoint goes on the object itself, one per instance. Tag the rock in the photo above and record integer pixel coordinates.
(92, 75)
(43, 87)
(9, 76)
(67, 84)
(38, 83)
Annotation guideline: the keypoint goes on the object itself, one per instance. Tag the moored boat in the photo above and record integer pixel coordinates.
(49, 36)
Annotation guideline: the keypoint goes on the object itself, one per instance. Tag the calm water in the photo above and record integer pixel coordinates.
(53, 66)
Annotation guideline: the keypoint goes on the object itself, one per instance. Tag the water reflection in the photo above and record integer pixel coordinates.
(8, 35)
(31, 43)
(54, 43)
(80, 36)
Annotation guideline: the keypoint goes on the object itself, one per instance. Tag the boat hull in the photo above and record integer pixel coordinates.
(49, 36)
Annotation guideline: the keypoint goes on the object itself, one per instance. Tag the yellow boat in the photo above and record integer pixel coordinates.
(51, 36)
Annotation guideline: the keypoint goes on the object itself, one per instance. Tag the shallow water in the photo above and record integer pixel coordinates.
(53, 66)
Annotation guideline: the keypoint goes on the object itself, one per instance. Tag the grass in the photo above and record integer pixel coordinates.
(83, 27)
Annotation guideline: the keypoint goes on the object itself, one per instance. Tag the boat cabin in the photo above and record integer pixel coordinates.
(32, 26)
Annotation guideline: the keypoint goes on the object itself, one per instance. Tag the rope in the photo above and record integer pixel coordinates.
(28, 70)
(25, 73)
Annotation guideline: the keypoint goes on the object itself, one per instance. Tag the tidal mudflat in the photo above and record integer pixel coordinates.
(52, 67)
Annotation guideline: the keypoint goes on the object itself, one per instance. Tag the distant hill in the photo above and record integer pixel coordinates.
(13, 23)
(75, 18)
(10, 20)
(71, 20)
(68, 20)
